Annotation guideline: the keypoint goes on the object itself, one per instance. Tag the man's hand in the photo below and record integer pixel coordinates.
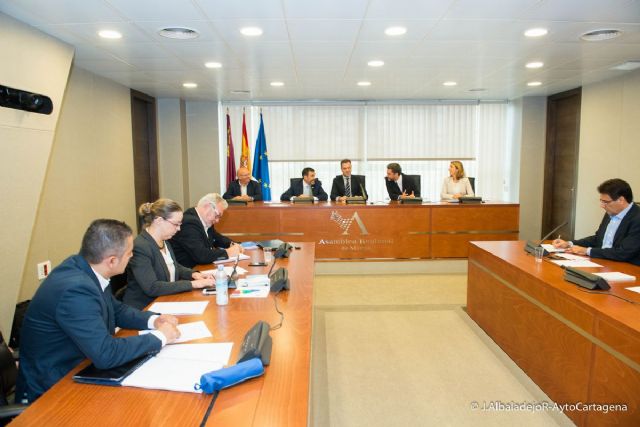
(246, 198)
(578, 250)
(165, 318)
(170, 332)
(234, 250)
(202, 283)
(560, 244)
(341, 199)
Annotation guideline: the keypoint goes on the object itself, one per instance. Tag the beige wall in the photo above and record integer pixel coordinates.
(90, 173)
(173, 166)
(609, 144)
(204, 158)
(26, 143)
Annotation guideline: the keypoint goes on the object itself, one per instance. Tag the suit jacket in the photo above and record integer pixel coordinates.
(193, 246)
(253, 189)
(71, 318)
(148, 275)
(338, 190)
(297, 188)
(626, 241)
(408, 185)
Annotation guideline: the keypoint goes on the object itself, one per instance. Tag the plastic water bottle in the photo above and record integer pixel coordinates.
(222, 286)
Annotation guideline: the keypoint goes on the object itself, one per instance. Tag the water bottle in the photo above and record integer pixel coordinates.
(222, 286)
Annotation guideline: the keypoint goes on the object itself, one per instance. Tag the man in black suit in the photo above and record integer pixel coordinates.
(399, 185)
(346, 185)
(198, 242)
(618, 237)
(244, 188)
(307, 186)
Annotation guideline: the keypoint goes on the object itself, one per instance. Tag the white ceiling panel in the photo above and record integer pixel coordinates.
(324, 30)
(373, 29)
(587, 10)
(136, 50)
(69, 11)
(491, 9)
(102, 65)
(274, 30)
(253, 9)
(322, 48)
(89, 32)
(407, 9)
(152, 10)
(325, 9)
(206, 32)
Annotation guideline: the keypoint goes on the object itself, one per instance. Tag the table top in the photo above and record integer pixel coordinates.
(276, 204)
(279, 398)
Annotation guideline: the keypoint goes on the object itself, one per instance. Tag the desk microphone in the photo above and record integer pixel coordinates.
(364, 193)
(531, 246)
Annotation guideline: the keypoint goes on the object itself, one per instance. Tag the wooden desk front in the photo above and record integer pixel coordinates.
(279, 398)
(577, 346)
(345, 232)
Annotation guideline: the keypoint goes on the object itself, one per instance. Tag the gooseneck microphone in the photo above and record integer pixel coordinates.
(531, 246)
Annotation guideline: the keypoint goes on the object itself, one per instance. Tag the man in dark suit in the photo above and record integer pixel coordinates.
(618, 237)
(307, 186)
(346, 185)
(399, 185)
(197, 241)
(73, 315)
(244, 188)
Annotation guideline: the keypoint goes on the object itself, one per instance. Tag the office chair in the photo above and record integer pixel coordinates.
(472, 181)
(293, 181)
(417, 180)
(8, 377)
(118, 284)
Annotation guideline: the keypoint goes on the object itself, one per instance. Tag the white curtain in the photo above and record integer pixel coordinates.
(422, 138)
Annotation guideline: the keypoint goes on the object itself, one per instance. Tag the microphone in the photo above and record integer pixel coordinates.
(364, 192)
(531, 246)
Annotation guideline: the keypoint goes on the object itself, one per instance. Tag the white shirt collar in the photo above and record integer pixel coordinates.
(103, 282)
(204, 224)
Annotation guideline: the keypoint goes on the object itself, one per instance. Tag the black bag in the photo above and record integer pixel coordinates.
(18, 317)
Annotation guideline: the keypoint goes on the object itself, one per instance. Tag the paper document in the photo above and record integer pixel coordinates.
(549, 248)
(189, 331)
(615, 276)
(254, 280)
(228, 270)
(569, 256)
(232, 259)
(576, 263)
(634, 289)
(179, 308)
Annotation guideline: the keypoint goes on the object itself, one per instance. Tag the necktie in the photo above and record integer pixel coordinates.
(348, 187)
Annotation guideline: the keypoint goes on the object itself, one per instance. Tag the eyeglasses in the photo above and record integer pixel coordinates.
(175, 224)
(606, 202)
(215, 211)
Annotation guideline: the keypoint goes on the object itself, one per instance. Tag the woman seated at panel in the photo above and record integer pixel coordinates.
(153, 270)
(456, 184)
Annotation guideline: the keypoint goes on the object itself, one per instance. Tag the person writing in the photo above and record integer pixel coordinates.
(307, 186)
(153, 270)
(244, 188)
(197, 242)
(399, 185)
(73, 315)
(346, 185)
(456, 184)
(618, 236)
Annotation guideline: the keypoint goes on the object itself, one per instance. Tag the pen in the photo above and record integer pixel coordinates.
(558, 237)
(248, 291)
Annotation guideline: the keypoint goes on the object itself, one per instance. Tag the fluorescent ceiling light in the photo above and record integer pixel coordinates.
(251, 31)
(277, 84)
(534, 83)
(627, 66)
(450, 83)
(375, 63)
(213, 65)
(178, 33)
(535, 64)
(364, 83)
(190, 85)
(395, 31)
(536, 32)
(477, 89)
(110, 34)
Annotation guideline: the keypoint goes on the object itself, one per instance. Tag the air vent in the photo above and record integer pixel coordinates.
(599, 35)
(180, 33)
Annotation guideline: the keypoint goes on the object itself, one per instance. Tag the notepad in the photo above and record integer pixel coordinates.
(576, 263)
(615, 276)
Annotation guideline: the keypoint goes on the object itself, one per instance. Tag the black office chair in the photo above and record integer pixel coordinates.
(362, 178)
(417, 180)
(293, 181)
(472, 181)
(118, 285)
(8, 377)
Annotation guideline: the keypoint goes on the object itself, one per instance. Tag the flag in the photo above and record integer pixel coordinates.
(244, 157)
(261, 163)
(231, 161)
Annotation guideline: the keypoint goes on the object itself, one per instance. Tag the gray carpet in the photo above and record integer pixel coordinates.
(401, 350)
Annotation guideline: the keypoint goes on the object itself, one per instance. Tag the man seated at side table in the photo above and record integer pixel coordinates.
(618, 237)
(73, 315)
(197, 241)
(244, 188)
(307, 186)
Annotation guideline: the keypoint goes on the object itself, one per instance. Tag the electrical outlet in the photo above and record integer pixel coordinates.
(44, 268)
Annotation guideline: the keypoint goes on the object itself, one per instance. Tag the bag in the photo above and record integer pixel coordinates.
(227, 377)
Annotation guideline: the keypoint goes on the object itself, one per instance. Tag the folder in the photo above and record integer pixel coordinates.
(113, 376)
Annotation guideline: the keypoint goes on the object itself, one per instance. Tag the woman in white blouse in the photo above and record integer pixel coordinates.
(456, 184)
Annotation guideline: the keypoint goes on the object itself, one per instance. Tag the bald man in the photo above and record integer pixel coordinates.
(244, 188)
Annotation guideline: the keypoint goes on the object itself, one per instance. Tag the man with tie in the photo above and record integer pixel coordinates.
(244, 188)
(346, 185)
(618, 237)
(399, 185)
(73, 315)
(307, 186)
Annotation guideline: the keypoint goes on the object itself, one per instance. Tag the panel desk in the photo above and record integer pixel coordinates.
(279, 398)
(579, 347)
(389, 231)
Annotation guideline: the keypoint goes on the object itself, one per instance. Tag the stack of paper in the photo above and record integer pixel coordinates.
(179, 308)
(576, 263)
(615, 276)
(549, 248)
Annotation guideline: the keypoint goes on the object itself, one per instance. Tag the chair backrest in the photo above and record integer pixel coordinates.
(293, 181)
(362, 178)
(472, 181)
(417, 179)
(16, 327)
(8, 373)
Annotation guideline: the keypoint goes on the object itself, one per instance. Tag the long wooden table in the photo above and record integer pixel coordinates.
(388, 231)
(579, 347)
(279, 398)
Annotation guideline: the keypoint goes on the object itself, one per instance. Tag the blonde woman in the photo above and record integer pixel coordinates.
(456, 184)
(153, 270)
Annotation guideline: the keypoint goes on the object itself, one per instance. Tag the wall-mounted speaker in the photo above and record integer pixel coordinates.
(23, 100)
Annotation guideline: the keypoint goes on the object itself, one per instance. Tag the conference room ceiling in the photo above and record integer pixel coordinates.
(320, 49)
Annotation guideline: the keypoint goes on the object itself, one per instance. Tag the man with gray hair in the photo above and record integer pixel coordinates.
(198, 242)
(73, 315)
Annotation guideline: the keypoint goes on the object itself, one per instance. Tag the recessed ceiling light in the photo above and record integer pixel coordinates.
(536, 32)
(477, 89)
(627, 66)
(375, 63)
(395, 31)
(364, 83)
(109, 34)
(535, 64)
(450, 83)
(251, 31)
(179, 33)
(277, 84)
(190, 85)
(213, 65)
(534, 83)
(240, 92)
(599, 35)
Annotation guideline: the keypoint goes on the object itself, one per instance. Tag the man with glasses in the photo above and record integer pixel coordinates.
(198, 242)
(618, 237)
(244, 188)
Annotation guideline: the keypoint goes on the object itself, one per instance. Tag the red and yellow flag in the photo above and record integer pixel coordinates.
(244, 157)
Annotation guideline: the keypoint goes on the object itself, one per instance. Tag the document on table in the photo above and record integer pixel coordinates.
(634, 289)
(582, 262)
(569, 256)
(227, 270)
(189, 331)
(232, 259)
(179, 308)
(254, 280)
(179, 367)
(615, 276)
(549, 248)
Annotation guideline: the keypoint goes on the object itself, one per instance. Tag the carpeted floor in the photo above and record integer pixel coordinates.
(400, 350)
